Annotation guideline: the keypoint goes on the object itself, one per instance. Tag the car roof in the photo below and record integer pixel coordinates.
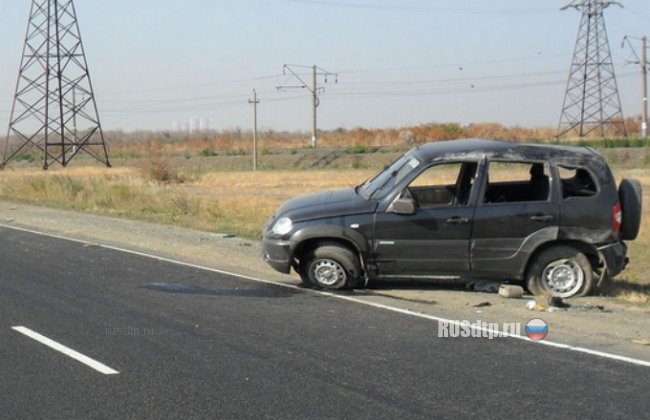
(480, 148)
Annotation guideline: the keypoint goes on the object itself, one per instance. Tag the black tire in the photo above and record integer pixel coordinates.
(630, 195)
(560, 271)
(331, 266)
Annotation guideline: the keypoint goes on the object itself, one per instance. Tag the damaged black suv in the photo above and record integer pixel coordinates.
(550, 216)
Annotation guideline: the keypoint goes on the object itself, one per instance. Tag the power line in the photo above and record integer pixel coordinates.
(342, 94)
(639, 14)
(457, 79)
(369, 70)
(197, 85)
(243, 95)
(192, 107)
(456, 64)
(236, 100)
(172, 100)
(466, 89)
(419, 9)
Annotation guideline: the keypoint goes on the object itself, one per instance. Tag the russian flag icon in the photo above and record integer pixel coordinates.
(536, 329)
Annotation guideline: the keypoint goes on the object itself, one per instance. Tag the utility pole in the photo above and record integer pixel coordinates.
(644, 73)
(288, 70)
(315, 103)
(254, 101)
(643, 62)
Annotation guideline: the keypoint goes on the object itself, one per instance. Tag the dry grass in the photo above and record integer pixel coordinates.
(233, 202)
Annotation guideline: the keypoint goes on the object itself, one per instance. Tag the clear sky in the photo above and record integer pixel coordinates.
(399, 62)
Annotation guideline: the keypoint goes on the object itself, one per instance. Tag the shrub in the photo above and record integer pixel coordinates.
(158, 169)
(357, 150)
(209, 153)
(25, 157)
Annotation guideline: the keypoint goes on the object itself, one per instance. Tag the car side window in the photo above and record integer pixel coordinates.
(512, 182)
(443, 185)
(576, 182)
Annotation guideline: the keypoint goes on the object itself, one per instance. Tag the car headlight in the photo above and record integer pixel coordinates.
(282, 226)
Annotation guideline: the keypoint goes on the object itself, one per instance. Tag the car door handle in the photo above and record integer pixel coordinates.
(457, 220)
(542, 218)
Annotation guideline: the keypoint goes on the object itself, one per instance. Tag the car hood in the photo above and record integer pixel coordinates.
(326, 204)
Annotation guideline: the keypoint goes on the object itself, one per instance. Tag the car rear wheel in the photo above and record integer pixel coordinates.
(331, 266)
(560, 271)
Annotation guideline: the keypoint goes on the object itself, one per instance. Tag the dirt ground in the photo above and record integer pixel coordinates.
(599, 323)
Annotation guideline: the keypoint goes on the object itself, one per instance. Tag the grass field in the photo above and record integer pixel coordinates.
(237, 202)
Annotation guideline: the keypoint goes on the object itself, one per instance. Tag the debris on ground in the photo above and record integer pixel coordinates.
(558, 302)
(547, 303)
(511, 291)
(644, 342)
(534, 306)
(487, 286)
(482, 305)
(552, 304)
(593, 308)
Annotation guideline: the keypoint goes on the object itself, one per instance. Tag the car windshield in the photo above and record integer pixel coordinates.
(385, 180)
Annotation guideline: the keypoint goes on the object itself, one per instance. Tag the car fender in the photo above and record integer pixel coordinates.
(331, 231)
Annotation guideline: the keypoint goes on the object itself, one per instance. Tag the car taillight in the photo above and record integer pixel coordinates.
(617, 218)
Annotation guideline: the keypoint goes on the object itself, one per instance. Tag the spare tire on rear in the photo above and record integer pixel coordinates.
(631, 198)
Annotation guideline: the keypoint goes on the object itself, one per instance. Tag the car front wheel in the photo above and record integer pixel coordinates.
(560, 271)
(331, 266)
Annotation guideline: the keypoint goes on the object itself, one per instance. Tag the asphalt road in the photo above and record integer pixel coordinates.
(195, 344)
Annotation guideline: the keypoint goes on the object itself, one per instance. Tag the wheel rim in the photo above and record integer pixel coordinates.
(329, 273)
(563, 278)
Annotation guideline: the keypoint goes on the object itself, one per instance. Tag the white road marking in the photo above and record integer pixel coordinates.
(100, 367)
(611, 356)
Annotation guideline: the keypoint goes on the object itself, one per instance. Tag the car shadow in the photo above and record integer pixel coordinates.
(418, 284)
(381, 287)
(186, 289)
(634, 292)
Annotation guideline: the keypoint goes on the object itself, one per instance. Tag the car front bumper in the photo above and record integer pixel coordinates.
(278, 253)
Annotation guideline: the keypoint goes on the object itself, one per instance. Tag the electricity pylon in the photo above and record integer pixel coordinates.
(54, 108)
(592, 102)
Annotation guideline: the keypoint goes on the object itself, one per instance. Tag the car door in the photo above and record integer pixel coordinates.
(516, 211)
(434, 240)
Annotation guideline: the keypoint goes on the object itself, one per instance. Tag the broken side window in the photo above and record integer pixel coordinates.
(443, 185)
(576, 182)
(511, 182)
